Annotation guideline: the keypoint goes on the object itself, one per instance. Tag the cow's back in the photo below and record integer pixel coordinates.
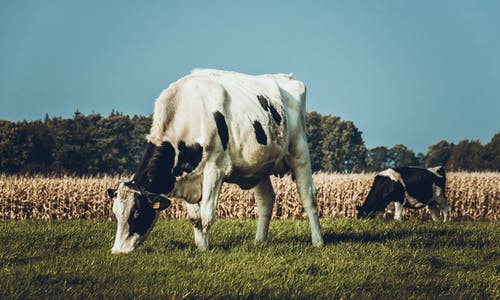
(262, 114)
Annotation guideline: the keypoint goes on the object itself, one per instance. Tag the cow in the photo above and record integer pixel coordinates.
(211, 127)
(408, 187)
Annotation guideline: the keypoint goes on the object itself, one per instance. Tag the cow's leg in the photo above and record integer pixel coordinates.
(443, 204)
(433, 207)
(212, 181)
(195, 217)
(264, 197)
(398, 210)
(301, 168)
(389, 210)
(441, 201)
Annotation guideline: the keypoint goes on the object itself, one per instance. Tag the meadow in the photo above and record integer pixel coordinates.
(362, 259)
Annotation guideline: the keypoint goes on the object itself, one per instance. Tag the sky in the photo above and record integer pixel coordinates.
(405, 72)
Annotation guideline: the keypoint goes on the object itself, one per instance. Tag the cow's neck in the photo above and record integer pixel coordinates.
(155, 171)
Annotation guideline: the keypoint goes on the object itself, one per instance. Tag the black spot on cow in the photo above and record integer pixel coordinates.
(259, 133)
(275, 114)
(419, 182)
(237, 176)
(263, 102)
(196, 223)
(155, 171)
(384, 190)
(141, 217)
(267, 106)
(220, 121)
(154, 176)
(188, 159)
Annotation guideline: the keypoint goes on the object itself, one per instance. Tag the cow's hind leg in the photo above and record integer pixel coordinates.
(301, 168)
(264, 197)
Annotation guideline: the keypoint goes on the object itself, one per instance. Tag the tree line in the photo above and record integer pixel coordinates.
(92, 144)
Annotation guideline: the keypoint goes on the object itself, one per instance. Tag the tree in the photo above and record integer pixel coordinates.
(466, 156)
(90, 144)
(330, 148)
(353, 146)
(142, 125)
(10, 155)
(74, 145)
(420, 160)
(491, 154)
(342, 148)
(439, 154)
(314, 139)
(379, 159)
(38, 147)
(402, 156)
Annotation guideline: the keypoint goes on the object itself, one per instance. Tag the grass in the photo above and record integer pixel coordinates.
(369, 259)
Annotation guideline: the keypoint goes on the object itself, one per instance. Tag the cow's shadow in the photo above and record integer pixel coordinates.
(333, 238)
(362, 237)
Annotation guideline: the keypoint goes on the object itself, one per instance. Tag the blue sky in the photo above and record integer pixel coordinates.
(404, 72)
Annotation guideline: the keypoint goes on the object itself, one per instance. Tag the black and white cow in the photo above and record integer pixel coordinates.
(407, 187)
(212, 127)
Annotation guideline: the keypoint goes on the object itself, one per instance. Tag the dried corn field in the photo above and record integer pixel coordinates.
(471, 196)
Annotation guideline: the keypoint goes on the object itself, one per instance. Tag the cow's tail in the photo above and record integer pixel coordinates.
(164, 110)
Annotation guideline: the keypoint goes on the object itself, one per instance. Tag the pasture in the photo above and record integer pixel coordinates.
(362, 259)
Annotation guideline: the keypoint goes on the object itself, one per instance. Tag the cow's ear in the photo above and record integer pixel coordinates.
(111, 193)
(158, 201)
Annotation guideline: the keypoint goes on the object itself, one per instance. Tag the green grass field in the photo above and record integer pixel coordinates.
(361, 260)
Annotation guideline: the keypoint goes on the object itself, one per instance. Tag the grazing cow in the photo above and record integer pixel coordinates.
(408, 187)
(212, 127)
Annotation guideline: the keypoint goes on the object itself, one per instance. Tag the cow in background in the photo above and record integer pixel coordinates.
(212, 127)
(407, 187)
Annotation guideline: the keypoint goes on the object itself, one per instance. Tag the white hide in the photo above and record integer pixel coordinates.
(122, 206)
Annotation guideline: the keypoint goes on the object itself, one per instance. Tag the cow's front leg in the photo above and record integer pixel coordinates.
(444, 209)
(195, 217)
(441, 201)
(398, 211)
(212, 181)
(434, 211)
(264, 197)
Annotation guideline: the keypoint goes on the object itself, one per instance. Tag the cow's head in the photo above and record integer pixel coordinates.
(136, 212)
(137, 202)
(383, 191)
